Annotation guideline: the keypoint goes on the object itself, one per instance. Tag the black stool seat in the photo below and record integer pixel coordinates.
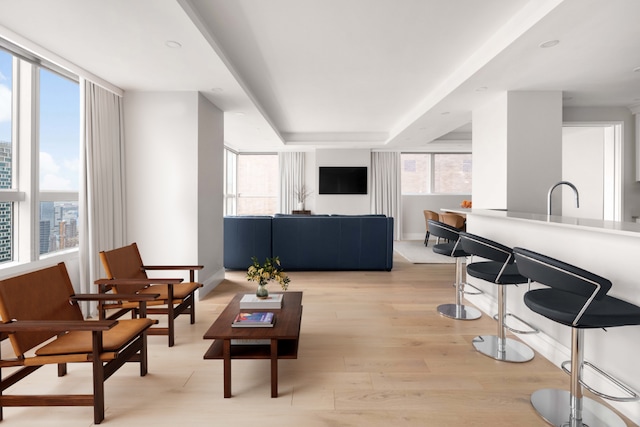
(450, 249)
(453, 249)
(490, 272)
(500, 269)
(575, 298)
(564, 307)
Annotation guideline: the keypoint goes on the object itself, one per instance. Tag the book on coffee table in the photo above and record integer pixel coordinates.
(253, 320)
(251, 301)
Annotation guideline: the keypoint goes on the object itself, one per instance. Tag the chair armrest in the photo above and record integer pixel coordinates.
(112, 297)
(172, 267)
(150, 281)
(192, 269)
(57, 325)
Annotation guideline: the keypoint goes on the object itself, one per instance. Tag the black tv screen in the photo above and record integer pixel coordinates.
(342, 180)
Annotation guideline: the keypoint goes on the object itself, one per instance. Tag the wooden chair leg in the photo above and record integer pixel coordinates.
(98, 380)
(143, 355)
(170, 315)
(192, 308)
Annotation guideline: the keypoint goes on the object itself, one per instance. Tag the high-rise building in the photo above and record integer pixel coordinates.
(6, 231)
(45, 234)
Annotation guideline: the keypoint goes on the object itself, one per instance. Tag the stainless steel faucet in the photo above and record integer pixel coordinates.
(553, 187)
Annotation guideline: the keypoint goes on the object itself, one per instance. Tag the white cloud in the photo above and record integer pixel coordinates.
(55, 183)
(47, 164)
(2, 77)
(5, 104)
(50, 174)
(72, 165)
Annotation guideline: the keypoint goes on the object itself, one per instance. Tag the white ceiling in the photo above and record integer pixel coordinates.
(344, 73)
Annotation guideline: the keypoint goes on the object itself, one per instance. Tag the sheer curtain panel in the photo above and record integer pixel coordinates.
(291, 179)
(102, 193)
(385, 187)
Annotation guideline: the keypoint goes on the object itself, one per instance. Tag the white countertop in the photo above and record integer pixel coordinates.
(614, 227)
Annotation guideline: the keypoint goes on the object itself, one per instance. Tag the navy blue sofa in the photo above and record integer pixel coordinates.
(311, 242)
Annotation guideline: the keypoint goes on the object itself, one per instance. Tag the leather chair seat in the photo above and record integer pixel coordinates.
(80, 341)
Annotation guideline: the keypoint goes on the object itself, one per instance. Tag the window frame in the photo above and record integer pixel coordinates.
(232, 195)
(25, 194)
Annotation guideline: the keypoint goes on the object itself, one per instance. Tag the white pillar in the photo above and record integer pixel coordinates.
(517, 150)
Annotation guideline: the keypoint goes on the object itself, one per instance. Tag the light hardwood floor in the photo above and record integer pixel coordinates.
(373, 352)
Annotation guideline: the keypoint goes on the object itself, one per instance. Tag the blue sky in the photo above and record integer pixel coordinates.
(59, 126)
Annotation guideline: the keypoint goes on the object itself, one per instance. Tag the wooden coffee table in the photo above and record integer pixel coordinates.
(283, 338)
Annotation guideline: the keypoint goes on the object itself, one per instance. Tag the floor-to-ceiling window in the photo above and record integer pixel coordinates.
(39, 158)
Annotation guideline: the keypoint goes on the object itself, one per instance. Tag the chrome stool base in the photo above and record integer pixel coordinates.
(514, 351)
(553, 405)
(459, 312)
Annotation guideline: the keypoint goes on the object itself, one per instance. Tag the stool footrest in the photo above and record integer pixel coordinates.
(476, 291)
(632, 395)
(531, 330)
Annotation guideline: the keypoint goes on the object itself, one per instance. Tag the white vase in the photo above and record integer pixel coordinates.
(300, 206)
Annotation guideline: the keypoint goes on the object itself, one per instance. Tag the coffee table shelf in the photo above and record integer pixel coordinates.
(287, 349)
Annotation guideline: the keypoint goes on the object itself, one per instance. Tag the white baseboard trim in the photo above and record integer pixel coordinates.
(210, 283)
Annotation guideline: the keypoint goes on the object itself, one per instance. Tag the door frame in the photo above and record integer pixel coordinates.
(618, 165)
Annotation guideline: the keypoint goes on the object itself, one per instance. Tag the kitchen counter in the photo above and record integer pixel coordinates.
(628, 228)
(607, 248)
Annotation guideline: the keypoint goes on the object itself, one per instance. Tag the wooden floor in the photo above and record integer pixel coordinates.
(373, 352)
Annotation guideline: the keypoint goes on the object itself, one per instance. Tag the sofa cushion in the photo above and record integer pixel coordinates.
(244, 237)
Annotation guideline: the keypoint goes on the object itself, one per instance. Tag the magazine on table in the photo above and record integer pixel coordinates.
(253, 320)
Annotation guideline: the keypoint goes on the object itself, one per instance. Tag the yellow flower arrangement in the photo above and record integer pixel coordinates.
(268, 271)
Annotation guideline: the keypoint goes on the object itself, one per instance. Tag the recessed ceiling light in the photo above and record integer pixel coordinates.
(240, 114)
(173, 44)
(549, 43)
(481, 89)
(444, 113)
(217, 89)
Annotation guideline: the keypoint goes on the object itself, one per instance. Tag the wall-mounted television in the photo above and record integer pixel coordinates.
(342, 180)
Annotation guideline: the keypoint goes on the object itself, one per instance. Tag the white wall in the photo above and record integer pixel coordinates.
(165, 135)
(489, 148)
(210, 201)
(534, 153)
(352, 204)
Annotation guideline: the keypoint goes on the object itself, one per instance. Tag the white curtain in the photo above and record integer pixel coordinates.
(291, 179)
(385, 187)
(102, 194)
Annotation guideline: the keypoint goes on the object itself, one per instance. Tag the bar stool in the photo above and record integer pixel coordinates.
(578, 299)
(453, 249)
(500, 270)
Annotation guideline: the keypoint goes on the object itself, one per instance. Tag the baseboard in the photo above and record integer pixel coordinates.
(210, 283)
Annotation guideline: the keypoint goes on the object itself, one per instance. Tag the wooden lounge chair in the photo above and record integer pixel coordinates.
(127, 274)
(42, 319)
